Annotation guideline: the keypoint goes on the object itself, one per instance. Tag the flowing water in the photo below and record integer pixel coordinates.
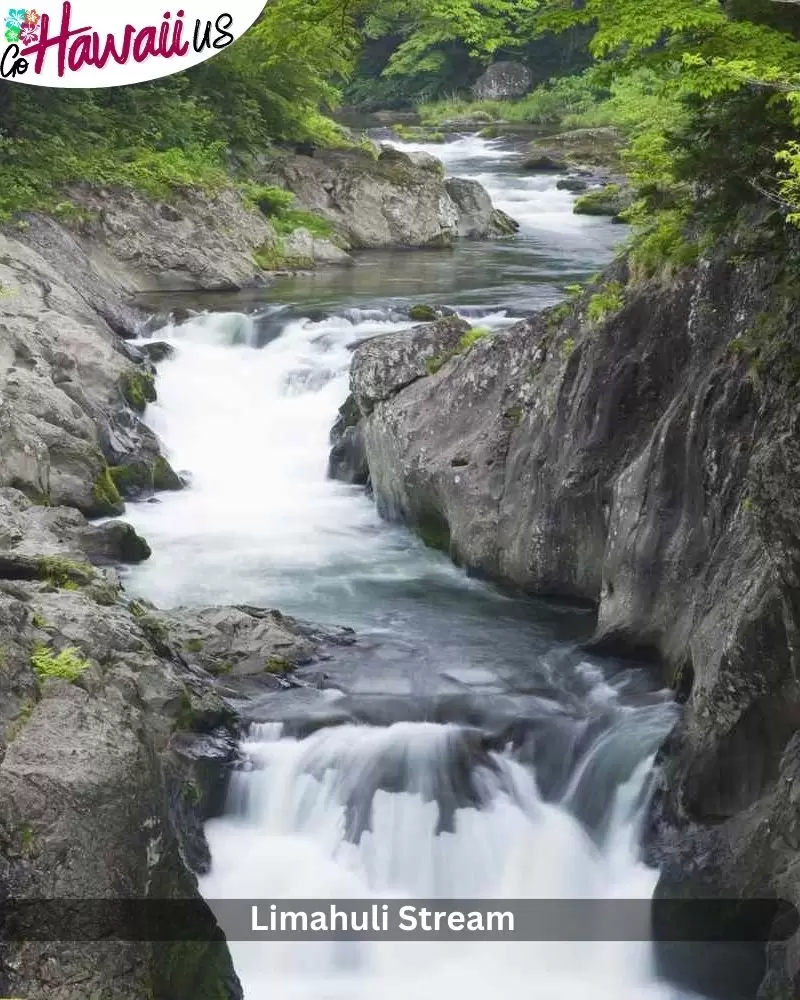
(477, 751)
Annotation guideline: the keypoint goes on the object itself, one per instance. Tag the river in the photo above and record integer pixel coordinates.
(479, 752)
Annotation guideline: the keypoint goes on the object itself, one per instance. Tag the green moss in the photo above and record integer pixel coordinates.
(40, 622)
(107, 499)
(270, 257)
(220, 669)
(194, 646)
(156, 631)
(66, 574)
(27, 837)
(467, 341)
(607, 201)
(471, 337)
(138, 388)
(164, 476)
(138, 477)
(568, 347)
(434, 530)
(514, 415)
(422, 314)
(67, 665)
(603, 303)
(277, 665)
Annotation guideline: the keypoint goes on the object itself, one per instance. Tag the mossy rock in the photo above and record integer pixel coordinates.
(138, 388)
(422, 314)
(107, 499)
(610, 200)
(135, 478)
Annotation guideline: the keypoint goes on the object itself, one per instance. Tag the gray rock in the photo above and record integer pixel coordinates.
(394, 200)
(503, 81)
(65, 389)
(632, 460)
(301, 246)
(477, 216)
(383, 366)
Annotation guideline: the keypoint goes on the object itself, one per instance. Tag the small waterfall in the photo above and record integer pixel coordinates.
(417, 810)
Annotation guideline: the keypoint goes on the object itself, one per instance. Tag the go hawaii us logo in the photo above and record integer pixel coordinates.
(90, 43)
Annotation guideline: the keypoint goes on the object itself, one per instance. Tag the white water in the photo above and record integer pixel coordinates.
(285, 839)
(262, 525)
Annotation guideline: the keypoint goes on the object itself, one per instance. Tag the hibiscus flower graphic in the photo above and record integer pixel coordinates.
(12, 34)
(28, 35)
(15, 19)
(32, 18)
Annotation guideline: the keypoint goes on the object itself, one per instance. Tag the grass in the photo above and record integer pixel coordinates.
(276, 204)
(67, 665)
(66, 574)
(469, 339)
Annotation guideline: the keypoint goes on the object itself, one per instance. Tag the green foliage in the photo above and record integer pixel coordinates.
(194, 646)
(551, 103)
(67, 665)
(66, 574)
(608, 300)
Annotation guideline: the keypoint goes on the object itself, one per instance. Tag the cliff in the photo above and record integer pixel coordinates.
(639, 450)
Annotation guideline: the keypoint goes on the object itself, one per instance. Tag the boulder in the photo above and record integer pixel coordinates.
(609, 200)
(477, 216)
(503, 81)
(396, 199)
(582, 147)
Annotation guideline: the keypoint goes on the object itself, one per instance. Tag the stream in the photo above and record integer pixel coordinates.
(478, 752)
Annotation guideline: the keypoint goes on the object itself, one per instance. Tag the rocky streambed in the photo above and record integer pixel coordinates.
(626, 460)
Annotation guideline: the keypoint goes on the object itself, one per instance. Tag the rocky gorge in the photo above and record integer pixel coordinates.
(115, 716)
(623, 451)
(627, 451)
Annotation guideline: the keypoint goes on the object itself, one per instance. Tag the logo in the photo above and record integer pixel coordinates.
(91, 43)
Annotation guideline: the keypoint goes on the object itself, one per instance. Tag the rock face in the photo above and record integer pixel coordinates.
(70, 396)
(634, 460)
(116, 725)
(502, 81)
(398, 199)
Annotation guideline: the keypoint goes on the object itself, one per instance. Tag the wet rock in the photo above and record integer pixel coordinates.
(502, 81)
(477, 217)
(546, 163)
(157, 351)
(574, 184)
(624, 455)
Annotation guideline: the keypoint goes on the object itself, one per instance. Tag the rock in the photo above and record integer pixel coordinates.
(157, 351)
(502, 81)
(546, 163)
(348, 459)
(477, 217)
(398, 199)
(583, 147)
(204, 242)
(574, 184)
(629, 458)
(70, 398)
(305, 250)
(383, 366)
(611, 200)
(31, 534)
